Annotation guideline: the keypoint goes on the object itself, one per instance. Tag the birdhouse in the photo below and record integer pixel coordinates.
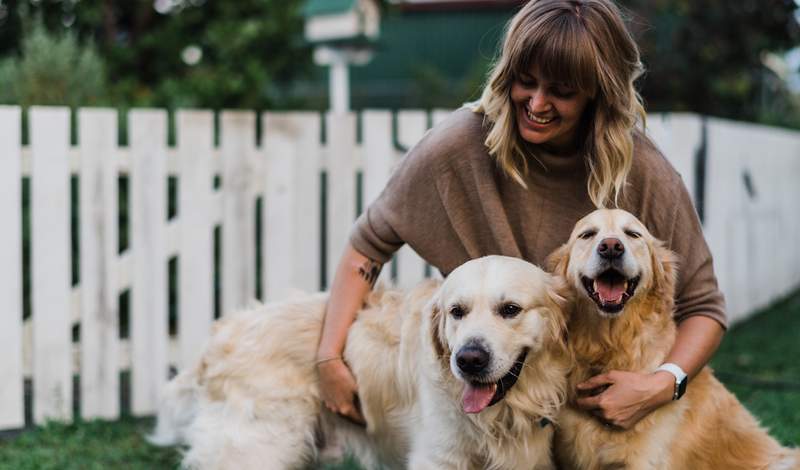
(342, 32)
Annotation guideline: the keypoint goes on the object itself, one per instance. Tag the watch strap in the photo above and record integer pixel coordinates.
(680, 378)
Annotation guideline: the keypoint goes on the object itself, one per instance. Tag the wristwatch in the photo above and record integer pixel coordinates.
(680, 378)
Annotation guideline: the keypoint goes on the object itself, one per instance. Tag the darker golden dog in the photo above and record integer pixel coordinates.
(621, 319)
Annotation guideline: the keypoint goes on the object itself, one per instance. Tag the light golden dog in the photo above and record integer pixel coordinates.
(462, 375)
(621, 319)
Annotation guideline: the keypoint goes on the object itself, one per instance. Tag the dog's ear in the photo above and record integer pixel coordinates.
(436, 319)
(665, 269)
(557, 261)
(557, 294)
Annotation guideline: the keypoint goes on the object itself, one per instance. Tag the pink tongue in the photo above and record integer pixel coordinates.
(476, 399)
(610, 292)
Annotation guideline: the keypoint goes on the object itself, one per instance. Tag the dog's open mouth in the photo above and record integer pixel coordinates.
(610, 290)
(478, 395)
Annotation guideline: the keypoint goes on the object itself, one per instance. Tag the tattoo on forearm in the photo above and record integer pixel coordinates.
(370, 271)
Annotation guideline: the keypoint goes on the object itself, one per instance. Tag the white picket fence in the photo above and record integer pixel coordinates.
(753, 238)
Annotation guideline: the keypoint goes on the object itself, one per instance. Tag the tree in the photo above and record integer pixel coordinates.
(705, 56)
(188, 53)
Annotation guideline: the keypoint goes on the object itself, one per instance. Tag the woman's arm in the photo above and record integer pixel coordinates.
(631, 396)
(355, 276)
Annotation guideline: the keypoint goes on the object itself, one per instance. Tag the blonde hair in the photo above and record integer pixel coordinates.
(585, 44)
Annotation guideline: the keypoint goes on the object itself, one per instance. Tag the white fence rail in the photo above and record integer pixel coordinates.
(751, 203)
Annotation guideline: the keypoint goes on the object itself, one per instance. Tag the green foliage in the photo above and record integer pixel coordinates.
(765, 348)
(705, 56)
(54, 69)
(86, 445)
(189, 53)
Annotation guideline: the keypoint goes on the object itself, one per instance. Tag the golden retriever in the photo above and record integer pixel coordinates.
(465, 374)
(621, 307)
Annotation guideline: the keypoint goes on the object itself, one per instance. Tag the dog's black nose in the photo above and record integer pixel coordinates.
(472, 359)
(610, 248)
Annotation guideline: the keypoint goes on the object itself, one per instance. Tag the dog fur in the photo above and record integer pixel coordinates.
(707, 428)
(253, 400)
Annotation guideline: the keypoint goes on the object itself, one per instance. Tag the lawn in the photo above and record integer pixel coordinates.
(757, 361)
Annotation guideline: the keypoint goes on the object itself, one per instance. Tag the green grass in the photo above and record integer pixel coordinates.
(758, 361)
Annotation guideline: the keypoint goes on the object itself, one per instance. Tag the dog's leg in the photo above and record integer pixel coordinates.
(176, 410)
(223, 437)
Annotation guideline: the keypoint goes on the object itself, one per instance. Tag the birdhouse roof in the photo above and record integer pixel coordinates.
(327, 7)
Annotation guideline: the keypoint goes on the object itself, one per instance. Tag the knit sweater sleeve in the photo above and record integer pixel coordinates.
(697, 290)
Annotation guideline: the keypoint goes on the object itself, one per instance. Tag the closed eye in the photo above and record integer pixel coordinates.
(587, 234)
(633, 234)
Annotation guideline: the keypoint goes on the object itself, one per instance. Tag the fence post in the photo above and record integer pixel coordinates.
(11, 387)
(195, 262)
(341, 198)
(291, 209)
(149, 305)
(238, 216)
(99, 341)
(50, 264)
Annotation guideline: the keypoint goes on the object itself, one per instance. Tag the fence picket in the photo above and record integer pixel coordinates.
(11, 387)
(148, 321)
(411, 126)
(341, 213)
(751, 199)
(291, 209)
(99, 393)
(195, 133)
(50, 264)
(238, 217)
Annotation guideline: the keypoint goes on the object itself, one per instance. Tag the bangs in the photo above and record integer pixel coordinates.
(560, 49)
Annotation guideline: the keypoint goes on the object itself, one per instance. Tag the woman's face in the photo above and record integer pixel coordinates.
(548, 112)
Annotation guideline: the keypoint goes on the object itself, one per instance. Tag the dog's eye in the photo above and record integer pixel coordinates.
(633, 234)
(509, 310)
(457, 311)
(587, 234)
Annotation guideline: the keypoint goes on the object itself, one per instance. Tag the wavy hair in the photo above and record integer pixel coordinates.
(586, 45)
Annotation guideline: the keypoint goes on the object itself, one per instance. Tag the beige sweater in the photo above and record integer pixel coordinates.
(450, 202)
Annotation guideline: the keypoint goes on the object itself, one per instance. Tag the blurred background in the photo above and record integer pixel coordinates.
(704, 59)
(737, 60)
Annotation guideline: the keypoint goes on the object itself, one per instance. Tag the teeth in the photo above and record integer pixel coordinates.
(538, 120)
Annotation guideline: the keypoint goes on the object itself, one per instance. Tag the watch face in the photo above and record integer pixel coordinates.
(682, 387)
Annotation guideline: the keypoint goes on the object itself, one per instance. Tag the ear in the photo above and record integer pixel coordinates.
(557, 261)
(665, 269)
(557, 294)
(435, 321)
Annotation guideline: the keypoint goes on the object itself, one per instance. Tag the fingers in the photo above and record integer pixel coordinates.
(597, 381)
(589, 403)
(352, 412)
(338, 391)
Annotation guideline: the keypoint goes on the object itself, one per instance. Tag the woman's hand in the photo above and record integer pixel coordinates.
(338, 389)
(621, 399)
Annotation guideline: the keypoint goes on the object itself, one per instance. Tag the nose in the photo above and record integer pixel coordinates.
(472, 359)
(538, 102)
(610, 248)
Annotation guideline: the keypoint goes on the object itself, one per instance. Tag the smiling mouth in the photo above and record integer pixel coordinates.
(480, 395)
(537, 120)
(610, 290)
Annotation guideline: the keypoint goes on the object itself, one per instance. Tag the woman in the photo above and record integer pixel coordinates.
(554, 135)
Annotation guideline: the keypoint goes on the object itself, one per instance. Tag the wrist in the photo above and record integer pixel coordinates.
(664, 386)
(326, 354)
